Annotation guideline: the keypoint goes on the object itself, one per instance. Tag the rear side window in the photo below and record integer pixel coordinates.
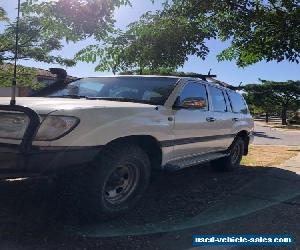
(237, 102)
(218, 99)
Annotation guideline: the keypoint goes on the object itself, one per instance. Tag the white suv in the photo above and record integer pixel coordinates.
(117, 130)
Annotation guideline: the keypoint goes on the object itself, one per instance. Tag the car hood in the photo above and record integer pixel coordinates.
(44, 105)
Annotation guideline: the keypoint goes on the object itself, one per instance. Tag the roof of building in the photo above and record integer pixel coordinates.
(43, 72)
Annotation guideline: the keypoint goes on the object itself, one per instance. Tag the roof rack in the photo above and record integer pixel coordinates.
(209, 78)
(223, 84)
(195, 75)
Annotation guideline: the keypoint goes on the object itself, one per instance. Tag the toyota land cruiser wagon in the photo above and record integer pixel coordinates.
(116, 131)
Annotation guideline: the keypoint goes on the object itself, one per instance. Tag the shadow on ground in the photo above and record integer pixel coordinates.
(264, 135)
(33, 216)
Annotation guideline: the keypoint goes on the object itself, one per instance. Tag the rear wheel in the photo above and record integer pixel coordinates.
(232, 161)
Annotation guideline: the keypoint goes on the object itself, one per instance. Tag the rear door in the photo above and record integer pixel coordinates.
(222, 124)
(241, 117)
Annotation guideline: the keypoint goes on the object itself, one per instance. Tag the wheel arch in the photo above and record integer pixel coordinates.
(245, 136)
(147, 143)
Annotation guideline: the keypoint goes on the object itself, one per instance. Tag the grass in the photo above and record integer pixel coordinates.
(266, 156)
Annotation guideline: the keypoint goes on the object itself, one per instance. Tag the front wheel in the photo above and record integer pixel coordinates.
(118, 181)
(232, 161)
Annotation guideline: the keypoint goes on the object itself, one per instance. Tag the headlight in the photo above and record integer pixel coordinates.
(13, 125)
(54, 127)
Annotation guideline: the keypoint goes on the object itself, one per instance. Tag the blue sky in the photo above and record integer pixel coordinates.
(226, 71)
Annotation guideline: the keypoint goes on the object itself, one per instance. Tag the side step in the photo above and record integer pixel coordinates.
(193, 160)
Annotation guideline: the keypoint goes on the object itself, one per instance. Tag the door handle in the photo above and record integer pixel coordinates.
(235, 119)
(210, 119)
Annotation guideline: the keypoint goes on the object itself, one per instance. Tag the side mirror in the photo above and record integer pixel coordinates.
(191, 103)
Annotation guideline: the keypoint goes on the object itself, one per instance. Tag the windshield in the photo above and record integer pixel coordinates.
(152, 90)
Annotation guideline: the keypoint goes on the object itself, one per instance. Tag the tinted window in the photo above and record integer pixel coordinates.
(194, 90)
(237, 102)
(153, 90)
(218, 99)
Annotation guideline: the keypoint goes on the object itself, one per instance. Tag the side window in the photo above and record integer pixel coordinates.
(196, 91)
(237, 102)
(218, 99)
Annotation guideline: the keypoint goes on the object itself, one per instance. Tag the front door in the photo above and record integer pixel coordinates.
(192, 128)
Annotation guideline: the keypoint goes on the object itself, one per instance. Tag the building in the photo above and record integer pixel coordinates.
(48, 78)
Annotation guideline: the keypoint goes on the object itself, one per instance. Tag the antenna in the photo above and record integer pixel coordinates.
(14, 81)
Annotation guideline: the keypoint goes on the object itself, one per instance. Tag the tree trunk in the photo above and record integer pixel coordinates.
(267, 117)
(114, 69)
(284, 116)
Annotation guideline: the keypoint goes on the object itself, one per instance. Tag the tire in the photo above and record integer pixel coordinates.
(232, 161)
(117, 180)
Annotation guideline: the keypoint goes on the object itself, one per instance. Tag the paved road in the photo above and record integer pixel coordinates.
(268, 136)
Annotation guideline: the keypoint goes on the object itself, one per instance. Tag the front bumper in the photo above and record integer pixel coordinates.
(42, 160)
(27, 160)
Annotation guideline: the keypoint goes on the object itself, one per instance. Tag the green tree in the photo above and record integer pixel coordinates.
(152, 43)
(256, 30)
(260, 100)
(44, 26)
(274, 96)
(2, 14)
(26, 76)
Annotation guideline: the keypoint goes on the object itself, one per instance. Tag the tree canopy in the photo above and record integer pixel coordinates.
(274, 97)
(45, 25)
(2, 14)
(256, 30)
(151, 43)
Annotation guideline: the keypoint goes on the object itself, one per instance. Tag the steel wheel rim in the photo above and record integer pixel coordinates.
(121, 183)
